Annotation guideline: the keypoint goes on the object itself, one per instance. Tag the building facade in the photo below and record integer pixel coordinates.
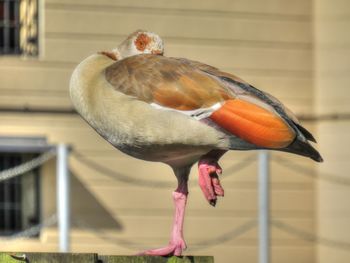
(268, 43)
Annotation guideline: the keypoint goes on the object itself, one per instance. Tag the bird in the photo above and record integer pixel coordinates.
(180, 112)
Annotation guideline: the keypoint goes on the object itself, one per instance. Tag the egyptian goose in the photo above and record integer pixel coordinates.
(179, 112)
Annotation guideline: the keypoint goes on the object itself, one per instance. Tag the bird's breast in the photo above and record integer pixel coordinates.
(137, 128)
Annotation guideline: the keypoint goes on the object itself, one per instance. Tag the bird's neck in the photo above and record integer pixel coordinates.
(85, 81)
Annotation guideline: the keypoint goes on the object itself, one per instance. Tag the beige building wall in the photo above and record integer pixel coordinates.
(266, 42)
(332, 78)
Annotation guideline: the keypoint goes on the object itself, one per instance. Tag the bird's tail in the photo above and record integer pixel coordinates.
(303, 148)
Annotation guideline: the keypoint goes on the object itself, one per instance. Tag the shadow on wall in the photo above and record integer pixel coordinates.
(87, 211)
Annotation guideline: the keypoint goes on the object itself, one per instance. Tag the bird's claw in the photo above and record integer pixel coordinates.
(209, 171)
(173, 249)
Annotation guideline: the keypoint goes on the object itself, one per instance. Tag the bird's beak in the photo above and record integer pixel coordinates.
(157, 52)
(109, 54)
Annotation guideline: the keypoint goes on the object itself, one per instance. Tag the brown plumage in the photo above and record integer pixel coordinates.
(169, 82)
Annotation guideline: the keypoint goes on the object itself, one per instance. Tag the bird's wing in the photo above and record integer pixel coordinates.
(197, 89)
(243, 88)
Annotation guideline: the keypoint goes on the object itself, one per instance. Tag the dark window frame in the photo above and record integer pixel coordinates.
(13, 217)
(19, 27)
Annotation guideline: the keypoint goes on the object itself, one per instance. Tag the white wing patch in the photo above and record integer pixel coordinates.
(198, 114)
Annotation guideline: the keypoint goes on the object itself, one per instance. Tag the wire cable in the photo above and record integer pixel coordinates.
(131, 245)
(307, 236)
(228, 236)
(30, 232)
(311, 173)
(344, 116)
(119, 176)
(141, 182)
(27, 166)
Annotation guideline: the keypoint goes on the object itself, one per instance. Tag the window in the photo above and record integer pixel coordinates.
(19, 196)
(19, 27)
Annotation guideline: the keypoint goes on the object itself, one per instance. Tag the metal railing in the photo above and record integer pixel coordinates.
(264, 222)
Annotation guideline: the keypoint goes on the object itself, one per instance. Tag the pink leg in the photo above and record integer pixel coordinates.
(209, 170)
(177, 243)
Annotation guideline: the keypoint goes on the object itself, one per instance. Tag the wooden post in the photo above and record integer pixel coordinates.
(30, 257)
(19, 257)
(155, 259)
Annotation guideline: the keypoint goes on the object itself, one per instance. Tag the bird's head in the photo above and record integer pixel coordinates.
(139, 42)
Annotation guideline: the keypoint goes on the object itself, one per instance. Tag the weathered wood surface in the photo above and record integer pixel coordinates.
(152, 259)
(95, 258)
(47, 257)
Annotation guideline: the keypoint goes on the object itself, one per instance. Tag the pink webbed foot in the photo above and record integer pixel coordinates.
(174, 248)
(177, 243)
(209, 182)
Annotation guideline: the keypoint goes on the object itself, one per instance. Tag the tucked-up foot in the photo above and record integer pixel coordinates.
(209, 171)
(173, 249)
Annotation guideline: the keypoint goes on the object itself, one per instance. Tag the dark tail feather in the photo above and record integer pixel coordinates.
(303, 148)
(305, 132)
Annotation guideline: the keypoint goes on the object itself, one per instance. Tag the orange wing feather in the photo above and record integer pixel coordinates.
(253, 124)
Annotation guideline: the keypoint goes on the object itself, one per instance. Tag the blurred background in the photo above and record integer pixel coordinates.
(297, 50)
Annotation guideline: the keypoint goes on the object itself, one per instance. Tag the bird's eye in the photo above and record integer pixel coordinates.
(142, 41)
(142, 44)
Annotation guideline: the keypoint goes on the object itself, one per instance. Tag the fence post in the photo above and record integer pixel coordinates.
(63, 197)
(264, 231)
